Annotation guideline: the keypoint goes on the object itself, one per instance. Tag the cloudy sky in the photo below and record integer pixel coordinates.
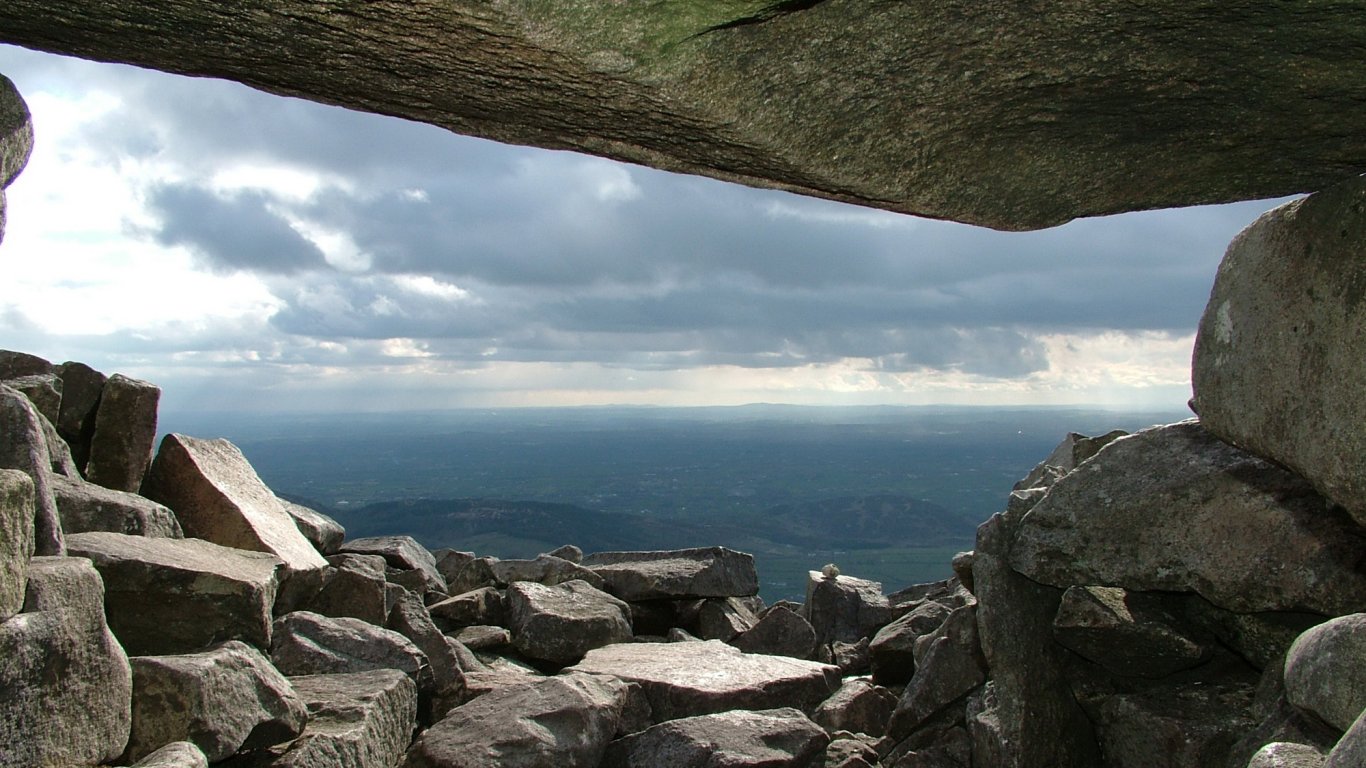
(248, 251)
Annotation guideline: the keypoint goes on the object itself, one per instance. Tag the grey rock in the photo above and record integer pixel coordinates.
(66, 681)
(14, 364)
(773, 737)
(125, 433)
(989, 742)
(845, 608)
(1351, 750)
(307, 643)
(324, 533)
(566, 720)
(949, 666)
(545, 569)
(1325, 670)
(724, 618)
(848, 753)
(1280, 721)
(353, 586)
(498, 672)
(225, 699)
(1277, 357)
(483, 637)
(859, 706)
(85, 507)
(1174, 509)
(1128, 633)
(568, 552)
(560, 623)
(685, 679)
(1260, 638)
(401, 552)
(16, 539)
(81, 390)
(44, 390)
(479, 606)
(1174, 726)
(16, 143)
(781, 631)
(167, 596)
(681, 573)
(962, 569)
(23, 447)
(177, 754)
(1070, 453)
(59, 453)
(892, 650)
(1282, 754)
(851, 658)
(409, 618)
(218, 497)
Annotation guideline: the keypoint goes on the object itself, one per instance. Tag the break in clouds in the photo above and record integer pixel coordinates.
(378, 239)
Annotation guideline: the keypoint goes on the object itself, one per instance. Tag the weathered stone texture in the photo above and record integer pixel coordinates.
(1128, 633)
(1325, 670)
(1282, 754)
(306, 643)
(177, 754)
(125, 433)
(402, 552)
(16, 539)
(85, 507)
(16, 139)
(353, 586)
(81, 390)
(23, 446)
(324, 533)
(683, 573)
(1351, 749)
(781, 631)
(858, 706)
(739, 739)
(561, 623)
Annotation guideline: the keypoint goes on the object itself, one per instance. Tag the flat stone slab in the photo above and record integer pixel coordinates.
(16, 539)
(679, 573)
(686, 679)
(85, 507)
(166, 596)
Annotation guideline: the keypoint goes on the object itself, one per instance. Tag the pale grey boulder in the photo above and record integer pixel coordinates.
(1281, 754)
(65, 681)
(545, 569)
(16, 143)
(44, 390)
(738, 739)
(125, 433)
(560, 623)
(23, 446)
(780, 631)
(844, 752)
(14, 364)
(1277, 364)
(892, 650)
(962, 569)
(168, 596)
(16, 539)
(305, 643)
(1350, 751)
(859, 706)
(568, 552)
(177, 754)
(81, 390)
(723, 618)
(681, 573)
(403, 553)
(1325, 670)
(224, 699)
(218, 497)
(85, 507)
(949, 666)
(463, 572)
(699, 678)
(845, 608)
(353, 586)
(1072, 451)
(493, 672)
(565, 721)
(476, 607)
(409, 618)
(1175, 509)
(324, 533)
(1133, 634)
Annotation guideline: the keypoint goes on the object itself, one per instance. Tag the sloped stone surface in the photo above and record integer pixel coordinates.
(217, 496)
(685, 679)
(324, 533)
(1325, 670)
(353, 586)
(16, 141)
(65, 680)
(81, 390)
(23, 447)
(409, 618)
(781, 631)
(402, 552)
(1128, 633)
(479, 606)
(739, 739)
(566, 720)
(1351, 749)
(16, 541)
(858, 706)
(949, 665)
(1174, 509)
(561, 623)
(892, 650)
(844, 608)
(681, 573)
(14, 363)
(125, 433)
(724, 618)
(309, 644)
(177, 754)
(1174, 726)
(43, 390)
(1282, 754)
(545, 569)
(85, 507)
(225, 699)
(1073, 450)
(167, 596)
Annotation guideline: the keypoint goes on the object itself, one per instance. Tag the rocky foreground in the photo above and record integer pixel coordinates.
(1156, 599)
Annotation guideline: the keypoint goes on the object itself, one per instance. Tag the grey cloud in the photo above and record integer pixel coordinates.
(231, 233)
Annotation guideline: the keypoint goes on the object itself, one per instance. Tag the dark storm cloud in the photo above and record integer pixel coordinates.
(230, 232)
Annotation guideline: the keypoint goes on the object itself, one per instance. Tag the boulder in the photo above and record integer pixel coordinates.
(65, 680)
(892, 650)
(353, 586)
(1071, 452)
(1129, 633)
(1325, 670)
(859, 706)
(409, 618)
(479, 606)
(680, 573)
(560, 623)
(1281, 754)
(545, 569)
(359, 719)
(59, 453)
(497, 672)
(781, 631)
(167, 596)
(1174, 726)
(564, 721)
(81, 390)
(400, 552)
(568, 552)
(16, 539)
(177, 754)
(1276, 368)
(843, 752)
(16, 364)
(699, 678)
(1175, 509)
(481, 637)
(324, 533)
(16, 143)
(44, 390)
(217, 496)
(724, 618)
(1351, 749)
(845, 608)
(1260, 638)
(225, 699)
(85, 507)
(962, 569)
(949, 666)
(983, 721)
(306, 643)
(125, 433)
(23, 447)
(464, 572)
(739, 739)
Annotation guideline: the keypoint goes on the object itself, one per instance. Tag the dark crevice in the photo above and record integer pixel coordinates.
(767, 13)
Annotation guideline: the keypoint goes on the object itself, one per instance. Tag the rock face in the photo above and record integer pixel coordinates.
(324, 533)
(773, 737)
(24, 447)
(1129, 634)
(1287, 305)
(1325, 670)
(66, 681)
(308, 644)
(82, 387)
(86, 507)
(863, 104)
(16, 543)
(561, 623)
(125, 432)
(16, 139)
(402, 552)
(709, 572)
(844, 608)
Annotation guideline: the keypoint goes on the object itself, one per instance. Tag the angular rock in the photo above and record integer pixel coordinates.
(306, 643)
(989, 745)
(724, 618)
(353, 586)
(1174, 509)
(1176, 726)
(15, 364)
(949, 747)
(545, 569)
(892, 650)
(125, 433)
(167, 596)
(1260, 638)
(685, 679)
(16, 539)
(781, 631)
(1351, 750)
(1128, 633)
(177, 754)
(402, 552)
(65, 680)
(849, 753)
(568, 552)
(560, 623)
(1325, 670)
(16, 143)
(962, 569)
(85, 507)
(566, 720)
(81, 390)
(464, 572)
(409, 618)
(858, 706)
(218, 497)
(845, 608)
(773, 737)
(1277, 358)
(359, 719)
(43, 390)
(225, 699)
(851, 658)
(483, 637)
(680, 573)
(1071, 452)
(324, 533)
(1282, 754)
(23, 447)
(59, 453)
(480, 606)
(949, 665)
(497, 672)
